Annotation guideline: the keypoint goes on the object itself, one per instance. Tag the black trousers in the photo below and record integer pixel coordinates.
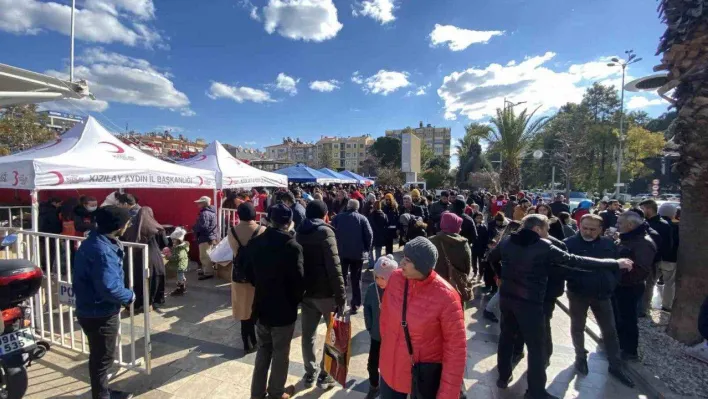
(476, 260)
(373, 363)
(488, 274)
(548, 307)
(625, 305)
(157, 288)
(102, 333)
(353, 266)
(602, 309)
(390, 236)
(527, 319)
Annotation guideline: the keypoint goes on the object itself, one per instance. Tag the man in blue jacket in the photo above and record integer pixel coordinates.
(206, 234)
(593, 289)
(354, 239)
(98, 284)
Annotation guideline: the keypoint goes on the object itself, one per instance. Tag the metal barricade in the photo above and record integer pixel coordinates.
(14, 216)
(229, 217)
(54, 305)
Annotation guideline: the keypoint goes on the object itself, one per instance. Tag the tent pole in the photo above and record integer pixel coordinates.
(217, 205)
(34, 196)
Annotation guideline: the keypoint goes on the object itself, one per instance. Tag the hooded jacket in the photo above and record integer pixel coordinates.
(437, 328)
(526, 262)
(323, 270)
(641, 249)
(278, 277)
(84, 221)
(599, 284)
(98, 278)
(379, 226)
(459, 256)
(354, 235)
(205, 229)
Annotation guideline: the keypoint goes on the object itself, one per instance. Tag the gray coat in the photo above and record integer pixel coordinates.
(354, 235)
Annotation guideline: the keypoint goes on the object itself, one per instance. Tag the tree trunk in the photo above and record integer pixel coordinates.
(510, 177)
(685, 58)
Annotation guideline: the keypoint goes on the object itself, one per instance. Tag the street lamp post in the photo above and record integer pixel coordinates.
(631, 59)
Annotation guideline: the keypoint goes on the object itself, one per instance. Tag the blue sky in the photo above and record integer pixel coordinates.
(251, 72)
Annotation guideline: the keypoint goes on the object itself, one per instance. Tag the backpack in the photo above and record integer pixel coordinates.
(239, 271)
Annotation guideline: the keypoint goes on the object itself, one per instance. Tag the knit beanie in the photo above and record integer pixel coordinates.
(389, 196)
(111, 218)
(415, 193)
(422, 253)
(385, 266)
(246, 212)
(450, 223)
(667, 210)
(371, 197)
(316, 209)
(458, 206)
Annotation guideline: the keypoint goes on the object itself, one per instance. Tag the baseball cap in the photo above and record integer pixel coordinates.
(280, 214)
(204, 198)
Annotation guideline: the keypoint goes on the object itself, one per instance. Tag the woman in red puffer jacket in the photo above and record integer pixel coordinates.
(435, 321)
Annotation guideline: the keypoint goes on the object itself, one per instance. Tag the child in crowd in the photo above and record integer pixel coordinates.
(179, 259)
(383, 269)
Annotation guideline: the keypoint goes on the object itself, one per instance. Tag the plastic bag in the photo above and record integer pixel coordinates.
(222, 252)
(337, 348)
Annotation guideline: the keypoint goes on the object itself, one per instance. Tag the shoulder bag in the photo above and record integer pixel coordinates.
(239, 273)
(425, 377)
(459, 281)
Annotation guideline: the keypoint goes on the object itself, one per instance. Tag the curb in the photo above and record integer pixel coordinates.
(643, 378)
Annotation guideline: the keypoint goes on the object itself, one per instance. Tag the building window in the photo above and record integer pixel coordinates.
(438, 149)
(361, 145)
(361, 154)
(349, 146)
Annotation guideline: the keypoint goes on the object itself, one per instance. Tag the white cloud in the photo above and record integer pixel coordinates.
(477, 92)
(383, 82)
(421, 91)
(638, 102)
(314, 20)
(380, 10)
(324, 85)
(118, 78)
(99, 21)
(458, 39)
(238, 94)
(82, 106)
(253, 10)
(173, 129)
(286, 83)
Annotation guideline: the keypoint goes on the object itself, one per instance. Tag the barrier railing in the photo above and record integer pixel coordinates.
(55, 302)
(229, 218)
(14, 216)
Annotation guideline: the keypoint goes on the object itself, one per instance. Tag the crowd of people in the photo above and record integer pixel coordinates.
(317, 241)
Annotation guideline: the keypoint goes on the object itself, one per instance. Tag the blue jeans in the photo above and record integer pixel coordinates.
(388, 393)
(181, 278)
(372, 260)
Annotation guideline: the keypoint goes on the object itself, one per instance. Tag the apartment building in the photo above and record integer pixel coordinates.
(346, 152)
(436, 138)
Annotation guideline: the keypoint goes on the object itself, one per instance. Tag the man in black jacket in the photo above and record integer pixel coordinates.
(666, 268)
(279, 286)
(593, 289)
(437, 209)
(324, 285)
(469, 229)
(559, 205)
(609, 215)
(527, 257)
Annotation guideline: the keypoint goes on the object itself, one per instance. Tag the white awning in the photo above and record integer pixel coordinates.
(20, 86)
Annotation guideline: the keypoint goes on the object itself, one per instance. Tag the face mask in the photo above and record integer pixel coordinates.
(91, 208)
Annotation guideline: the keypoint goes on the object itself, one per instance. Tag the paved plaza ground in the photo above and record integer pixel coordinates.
(197, 353)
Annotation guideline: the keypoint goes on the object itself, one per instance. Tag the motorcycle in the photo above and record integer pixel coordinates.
(20, 279)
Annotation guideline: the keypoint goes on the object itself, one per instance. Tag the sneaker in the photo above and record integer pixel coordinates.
(621, 376)
(373, 392)
(699, 352)
(503, 384)
(581, 365)
(120, 395)
(289, 393)
(325, 381)
(490, 316)
(179, 291)
(308, 380)
(354, 310)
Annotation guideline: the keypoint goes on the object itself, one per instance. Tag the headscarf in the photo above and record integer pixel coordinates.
(145, 227)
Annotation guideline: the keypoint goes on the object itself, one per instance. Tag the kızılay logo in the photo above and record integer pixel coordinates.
(116, 148)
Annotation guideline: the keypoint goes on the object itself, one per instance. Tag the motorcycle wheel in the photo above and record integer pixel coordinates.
(14, 383)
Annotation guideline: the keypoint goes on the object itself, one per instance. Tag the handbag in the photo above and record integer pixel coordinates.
(460, 282)
(425, 377)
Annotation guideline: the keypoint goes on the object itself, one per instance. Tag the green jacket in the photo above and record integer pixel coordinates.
(180, 257)
(372, 310)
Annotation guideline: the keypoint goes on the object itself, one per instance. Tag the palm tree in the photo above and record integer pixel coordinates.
(683, 45)
(511, 135)
(468, 150)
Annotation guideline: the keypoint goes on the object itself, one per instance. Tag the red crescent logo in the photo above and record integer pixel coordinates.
(203, 157)
(59, 175)
(118, 149)
(51, 145)
(231, 181)
(201, 181)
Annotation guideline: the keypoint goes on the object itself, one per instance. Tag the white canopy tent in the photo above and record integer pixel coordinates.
(88, 156)
(232, 173)
(20, 86)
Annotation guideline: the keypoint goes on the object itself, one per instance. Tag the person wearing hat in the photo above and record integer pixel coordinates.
(384, 267)
(179, 259)
(242, 292)
(206, 234)
(437, 209)
(455, 261)
(324, 286)
(280, 285)
(434, 319)
(98, 284)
